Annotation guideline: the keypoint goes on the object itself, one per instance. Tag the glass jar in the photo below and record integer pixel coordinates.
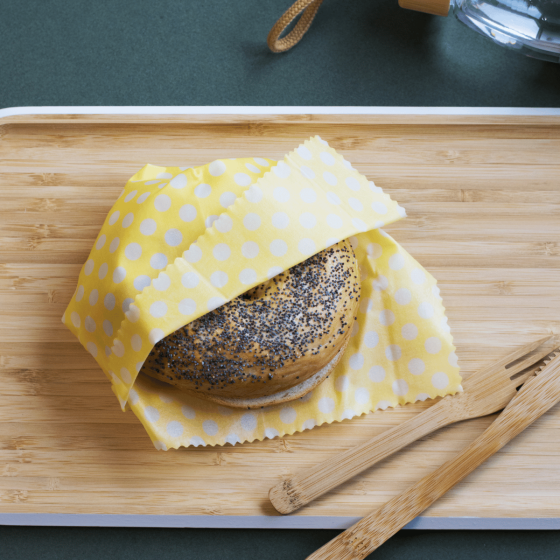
(531, 27)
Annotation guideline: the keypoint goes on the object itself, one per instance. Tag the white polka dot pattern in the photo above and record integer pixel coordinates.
(150, 279)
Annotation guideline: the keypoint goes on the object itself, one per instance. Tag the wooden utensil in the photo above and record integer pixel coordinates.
(485, 392)
(536, 397)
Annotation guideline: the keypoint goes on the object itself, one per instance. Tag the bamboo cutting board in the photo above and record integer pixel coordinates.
(483, 199)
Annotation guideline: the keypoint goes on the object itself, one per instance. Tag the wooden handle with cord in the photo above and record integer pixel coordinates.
(536, 397)
(309, 9)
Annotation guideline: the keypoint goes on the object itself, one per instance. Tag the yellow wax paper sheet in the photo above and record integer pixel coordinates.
(180, 242)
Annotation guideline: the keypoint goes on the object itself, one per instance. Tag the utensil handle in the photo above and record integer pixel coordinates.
(293, 493)
(535, 398)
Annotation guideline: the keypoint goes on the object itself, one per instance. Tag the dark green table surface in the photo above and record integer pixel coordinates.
(213, 52)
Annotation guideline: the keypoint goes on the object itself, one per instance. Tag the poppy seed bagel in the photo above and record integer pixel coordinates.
(272, 344)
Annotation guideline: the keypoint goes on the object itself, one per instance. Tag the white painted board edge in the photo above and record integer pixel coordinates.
(266, 522)
(276, 110)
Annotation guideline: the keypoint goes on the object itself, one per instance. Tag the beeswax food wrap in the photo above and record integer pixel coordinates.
(180, 242)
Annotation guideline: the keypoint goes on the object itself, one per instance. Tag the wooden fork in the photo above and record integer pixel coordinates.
(536, 397)
(484, 392)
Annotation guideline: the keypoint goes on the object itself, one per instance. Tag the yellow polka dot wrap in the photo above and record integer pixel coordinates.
(180, 242)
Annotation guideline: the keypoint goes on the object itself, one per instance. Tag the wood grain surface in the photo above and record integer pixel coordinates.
(483, 199)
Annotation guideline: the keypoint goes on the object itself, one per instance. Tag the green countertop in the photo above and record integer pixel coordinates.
(213, 52)
(64, 543)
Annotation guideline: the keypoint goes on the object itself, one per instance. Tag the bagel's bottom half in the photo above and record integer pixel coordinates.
(291, 394)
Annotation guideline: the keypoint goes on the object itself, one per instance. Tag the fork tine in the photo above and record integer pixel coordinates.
(498, 370)
(529, 361)
(521, 352)
(522, 377)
